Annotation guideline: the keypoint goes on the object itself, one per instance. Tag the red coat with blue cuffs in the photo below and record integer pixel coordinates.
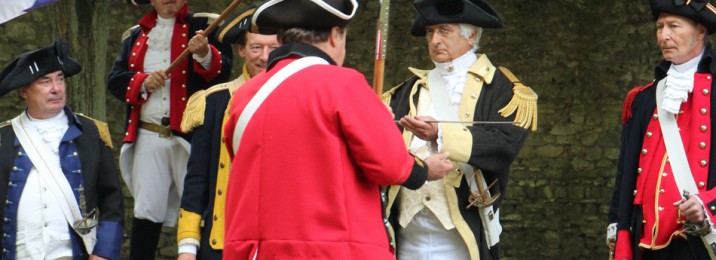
(127, 75)
(645, 190)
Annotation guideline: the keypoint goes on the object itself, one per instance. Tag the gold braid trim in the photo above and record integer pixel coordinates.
(196, 106)
(194, 111)
(524, 102)
(102, 130)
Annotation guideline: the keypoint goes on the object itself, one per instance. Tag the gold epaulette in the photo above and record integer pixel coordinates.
(196, 106)
(386, 96)
(524, 102)
(102, 130)
(210, 17)
(128, 32)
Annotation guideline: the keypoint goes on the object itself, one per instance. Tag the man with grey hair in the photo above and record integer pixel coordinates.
(438, 111)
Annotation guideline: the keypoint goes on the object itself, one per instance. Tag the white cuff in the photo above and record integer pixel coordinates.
(188, 245)
(611, 233)
(204, 62)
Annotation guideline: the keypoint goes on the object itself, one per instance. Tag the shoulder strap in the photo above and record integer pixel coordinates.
(523, 103)
(677, 158)
(266, 90)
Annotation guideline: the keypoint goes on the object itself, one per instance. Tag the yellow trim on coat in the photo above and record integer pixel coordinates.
(189, 226)
(216, 237)
(461, 225)
(460, 149)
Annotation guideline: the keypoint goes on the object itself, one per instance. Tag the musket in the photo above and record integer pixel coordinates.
(381, 42)
(206, 33)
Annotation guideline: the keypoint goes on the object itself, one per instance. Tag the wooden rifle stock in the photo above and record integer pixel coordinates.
(206, 33)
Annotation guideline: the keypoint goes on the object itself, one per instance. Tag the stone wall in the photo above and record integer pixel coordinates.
(581, 56)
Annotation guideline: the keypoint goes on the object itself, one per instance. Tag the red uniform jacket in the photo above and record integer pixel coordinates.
(305, 180)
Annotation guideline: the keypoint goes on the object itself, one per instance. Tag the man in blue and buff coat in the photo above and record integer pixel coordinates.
(208, 168)
(457, 217)
(155, 150)
(56, 168)
(651, 217)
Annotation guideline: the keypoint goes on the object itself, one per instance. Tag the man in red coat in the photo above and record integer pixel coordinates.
(651, 217)
(311, 145)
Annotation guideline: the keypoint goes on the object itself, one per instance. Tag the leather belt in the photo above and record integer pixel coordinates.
(164, 132)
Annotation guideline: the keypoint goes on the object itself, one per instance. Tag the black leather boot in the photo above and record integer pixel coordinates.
(144, 239)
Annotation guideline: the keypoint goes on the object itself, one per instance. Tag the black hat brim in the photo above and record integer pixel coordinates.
(474, 12)
(138, 2)
(700, 12)
(283, 14)
(233, 30)
(32, 65)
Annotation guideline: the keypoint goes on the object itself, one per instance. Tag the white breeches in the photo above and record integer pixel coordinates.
(157, 167)
(425, 238)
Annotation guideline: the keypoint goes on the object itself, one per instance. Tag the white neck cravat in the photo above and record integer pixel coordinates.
(454, 73)
(679, 83)
(160, 37)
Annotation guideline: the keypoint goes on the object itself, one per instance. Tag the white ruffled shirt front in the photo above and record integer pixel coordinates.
(679, 83)
(42, 230)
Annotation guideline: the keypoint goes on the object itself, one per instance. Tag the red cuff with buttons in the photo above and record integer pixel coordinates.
(215, 68)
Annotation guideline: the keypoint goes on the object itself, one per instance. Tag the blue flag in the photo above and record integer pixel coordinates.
(10, 9)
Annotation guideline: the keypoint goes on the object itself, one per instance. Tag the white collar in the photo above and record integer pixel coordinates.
(459, 66)
(164, 22)
(58, 120)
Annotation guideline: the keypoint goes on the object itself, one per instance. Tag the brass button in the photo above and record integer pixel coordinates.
(638, 170)
(705, 91)
(661, 208)
(664, 174)
(702, 145)
(655, 116)
(634, 192)
(221, 165)
(703, 163)
(703, 111)
(643, 151)
(216, 217)
(427, 198)
(649, 134)
(661, 191)
(713, 208)
(704, 128)
(213, 241)
(220, 191)
(701, 184)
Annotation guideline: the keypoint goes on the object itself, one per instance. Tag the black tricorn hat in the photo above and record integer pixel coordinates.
(475, 12)
(282, 14)
(234, 29)
(138, 2)
(699, 11)
(35, 64)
